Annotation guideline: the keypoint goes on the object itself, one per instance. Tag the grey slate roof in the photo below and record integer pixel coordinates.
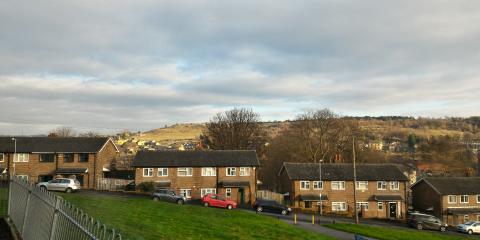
(71, 170)
(233, 184)
(453, 185)
(213, 158)
(53, 144)
(384, 198)
(343, 172)
(312, 197)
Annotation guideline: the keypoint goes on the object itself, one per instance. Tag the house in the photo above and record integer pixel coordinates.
(232, 173)
(454, 199)
(40, 159)
(381, 189)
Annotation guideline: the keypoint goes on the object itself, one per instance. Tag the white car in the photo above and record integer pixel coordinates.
(469, 227)
(61, 184)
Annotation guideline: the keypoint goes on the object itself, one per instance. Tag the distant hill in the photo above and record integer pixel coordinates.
(173, 133)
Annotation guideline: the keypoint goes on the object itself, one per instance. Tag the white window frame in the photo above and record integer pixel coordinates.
(186, 192)
(382, 185)
(365, 185)
(24, 177)
(338, 185)
(24, 158)
(149, 172)
(478, 217)
(228, 192)
(461, 199)
(231, 171)
(205, 191)
(380, 206)
(162, 172)
(451, 202)
(364, 204)
(187, 170)
(466, 218)
(209, 171)
(244, 171)
(478, 200)
(339, 206)
(304, 185)
(2, 157)
(317, 185)
(394, 185)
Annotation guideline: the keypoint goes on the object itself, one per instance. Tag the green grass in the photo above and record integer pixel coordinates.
(394, 233)
(3, 201)
(146, 219)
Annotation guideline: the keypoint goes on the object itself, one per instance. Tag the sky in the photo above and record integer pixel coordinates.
(107, 65)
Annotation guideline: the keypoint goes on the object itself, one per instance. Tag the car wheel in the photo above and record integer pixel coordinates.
(470, 232)
(68, 190)
(259, 209)
(419, 226)
(43, 188)
(205, 204)
(229, 207)
(155, 199)
(442, 229)
(180, 202)
(284, 212)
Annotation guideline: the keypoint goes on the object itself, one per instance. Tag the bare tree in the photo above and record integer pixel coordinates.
(62, 132)
(238, 128)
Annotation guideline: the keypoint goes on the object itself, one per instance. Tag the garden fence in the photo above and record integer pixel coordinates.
(41, 215)
(265, 194)
(112, 184)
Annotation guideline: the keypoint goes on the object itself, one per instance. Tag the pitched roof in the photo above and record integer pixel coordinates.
(53, 144)
(213, 158)
(453, 185)
(71, 170)
(343, 172)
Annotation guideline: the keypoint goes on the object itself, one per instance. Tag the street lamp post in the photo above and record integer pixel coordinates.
(14, 154)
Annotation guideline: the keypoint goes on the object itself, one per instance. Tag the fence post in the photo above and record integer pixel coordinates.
(55, 218)
(25, 216)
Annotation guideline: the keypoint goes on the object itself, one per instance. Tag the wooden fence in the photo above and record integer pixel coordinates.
(112, 184)
(265, 194)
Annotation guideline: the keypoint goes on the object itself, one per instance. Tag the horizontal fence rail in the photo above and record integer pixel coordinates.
(42, 215)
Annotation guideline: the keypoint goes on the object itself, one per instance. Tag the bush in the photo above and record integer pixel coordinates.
(146, 186)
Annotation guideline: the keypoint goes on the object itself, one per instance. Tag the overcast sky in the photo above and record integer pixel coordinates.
(112, 65)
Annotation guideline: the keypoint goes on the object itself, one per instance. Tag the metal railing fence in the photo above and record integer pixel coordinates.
(38, 214)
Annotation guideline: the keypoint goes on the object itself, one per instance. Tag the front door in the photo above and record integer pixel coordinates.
(392, 210)
(241, 193)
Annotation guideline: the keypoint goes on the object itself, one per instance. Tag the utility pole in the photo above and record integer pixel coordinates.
(354, 183)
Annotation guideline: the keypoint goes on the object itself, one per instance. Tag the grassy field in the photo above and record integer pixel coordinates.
(145, 219)
(395, 233)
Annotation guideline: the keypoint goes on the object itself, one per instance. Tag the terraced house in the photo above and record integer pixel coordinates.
(381, 189)
(232, 173)
(42, 158)
(456, 200)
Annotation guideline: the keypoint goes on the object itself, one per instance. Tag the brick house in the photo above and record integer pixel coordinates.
(453, 199)
(232, 173)
(43, 158)
(381, 189)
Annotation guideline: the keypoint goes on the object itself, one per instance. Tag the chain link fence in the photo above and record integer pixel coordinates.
(38, 214)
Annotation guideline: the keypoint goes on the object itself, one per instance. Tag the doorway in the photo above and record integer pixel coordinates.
(241, 193)
(392, 210)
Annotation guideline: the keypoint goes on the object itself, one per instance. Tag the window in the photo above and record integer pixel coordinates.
(362, 205)
(380, 206)
(464, 199)
(304, 185)
(206, 191)
(362, 185)
(68, 157)
(185, 171)
(20, 157)
(395, 185)
(2, 157)
(478, 217)
(47, 157)
(308, 204)
(162, 172)
(244, 171)
(478, 198)
(228, 192)
(23, 177)
(339, 206)
(148, 172)
(83, 157)
(209, 171)
(338, 185)
(317, 185)
(452, 199)
(465, 218)
(187, 193)
(381, 185)
(231, 171)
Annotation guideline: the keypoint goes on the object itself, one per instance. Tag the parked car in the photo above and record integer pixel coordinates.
(262, 205)
(469, 227)
(130, 187)
(61, 184)
(424, 221)
(215, 200)
(168, 195)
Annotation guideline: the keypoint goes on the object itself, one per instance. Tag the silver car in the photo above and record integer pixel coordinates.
(469, 227)
(61, 184)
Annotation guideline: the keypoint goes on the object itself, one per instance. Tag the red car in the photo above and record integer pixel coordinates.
(215, 200)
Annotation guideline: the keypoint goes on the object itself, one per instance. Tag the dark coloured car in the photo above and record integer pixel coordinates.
(424, 221)
(130, 187)
(262, 205)
(168, 195)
